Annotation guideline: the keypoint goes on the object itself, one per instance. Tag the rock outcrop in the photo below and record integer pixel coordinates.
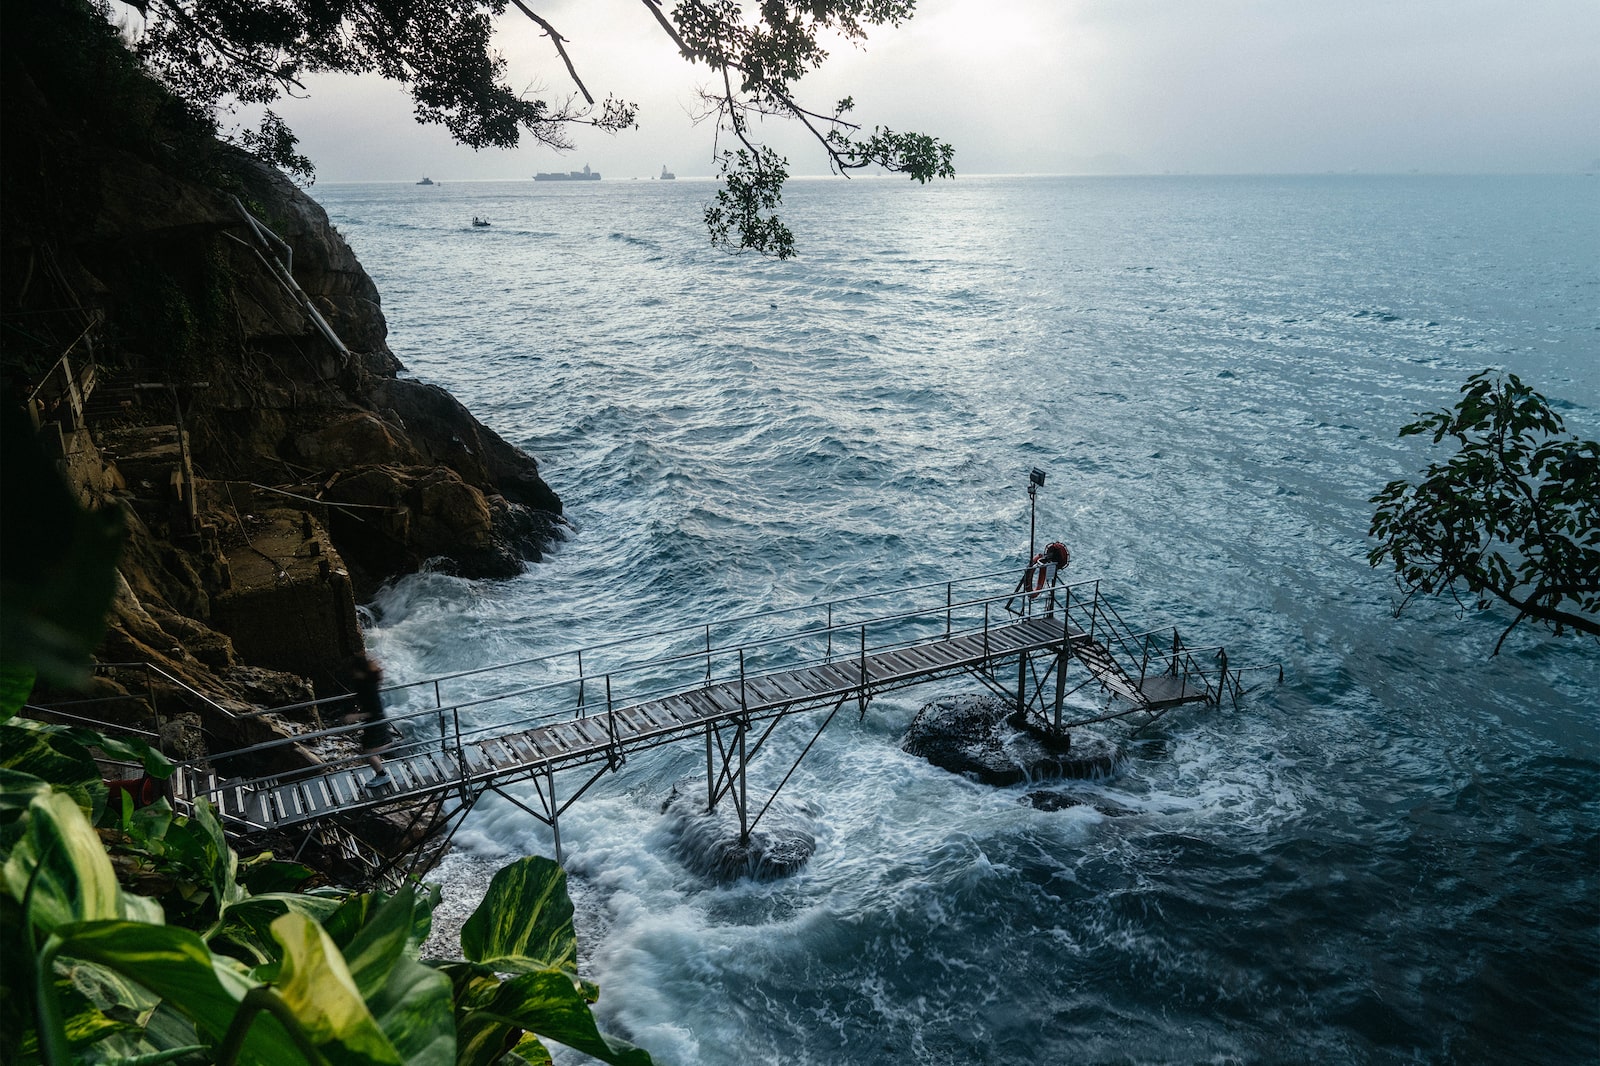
(974, 735)
(708, 843)
(202, 349)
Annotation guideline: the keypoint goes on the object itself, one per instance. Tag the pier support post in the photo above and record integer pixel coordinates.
(1022, 685)
(744, 794)
(555, 811)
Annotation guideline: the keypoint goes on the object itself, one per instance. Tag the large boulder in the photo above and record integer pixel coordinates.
(708, 842)
(974, 735)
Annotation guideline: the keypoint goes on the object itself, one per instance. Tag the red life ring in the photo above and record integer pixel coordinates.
(1044, 566)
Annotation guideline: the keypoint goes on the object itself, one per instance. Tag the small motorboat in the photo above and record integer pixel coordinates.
(476, 221)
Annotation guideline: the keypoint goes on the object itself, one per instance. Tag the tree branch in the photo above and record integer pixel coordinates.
(558, 41)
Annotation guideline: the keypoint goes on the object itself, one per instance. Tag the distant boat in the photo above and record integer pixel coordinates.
(571, 175)
(476, 221)
(425, 181)
(667, 175)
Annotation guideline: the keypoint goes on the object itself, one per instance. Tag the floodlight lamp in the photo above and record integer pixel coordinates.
(1036, 477)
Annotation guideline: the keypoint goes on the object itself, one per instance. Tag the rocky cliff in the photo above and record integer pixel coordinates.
(198, 346)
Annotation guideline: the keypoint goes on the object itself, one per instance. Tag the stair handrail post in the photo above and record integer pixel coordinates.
(580, 683)
(827, 655)
(949, 599)
(611, 728)
(743, 703)
(461, 755)
(438, 705)
(1176, 645)
(986, 632)
(861, 699)
(708, 654)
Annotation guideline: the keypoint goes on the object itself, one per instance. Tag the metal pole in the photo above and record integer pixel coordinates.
(1062, 659)
(711, 784)
(861, 697)
(555, 810)
(744, 794)
(1033, 496)
(1022, 682)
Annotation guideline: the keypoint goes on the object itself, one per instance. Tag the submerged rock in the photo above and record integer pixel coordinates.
(1046, 800)
(973, 735)
(709, 844)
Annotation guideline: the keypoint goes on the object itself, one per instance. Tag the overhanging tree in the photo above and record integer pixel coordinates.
(217, 54)
(1512, 517)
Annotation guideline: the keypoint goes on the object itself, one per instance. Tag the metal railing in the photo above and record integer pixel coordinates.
(449, 713)
(598, 680)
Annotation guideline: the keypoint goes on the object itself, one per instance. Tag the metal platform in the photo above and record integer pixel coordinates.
(1015, 644)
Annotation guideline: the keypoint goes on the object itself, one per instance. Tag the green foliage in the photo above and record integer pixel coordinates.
(741, 215)
(177, 960)
(1513, 516)
(215, 54)
(273, 142)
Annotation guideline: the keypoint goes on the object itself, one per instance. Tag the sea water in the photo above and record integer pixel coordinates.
(1393, 856)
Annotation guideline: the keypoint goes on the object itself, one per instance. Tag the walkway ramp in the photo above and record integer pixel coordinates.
(543, 716)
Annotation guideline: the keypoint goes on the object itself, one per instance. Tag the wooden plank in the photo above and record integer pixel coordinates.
(791, 684)
(592, 730)
(644, 710)
(701, 705)
(633, 723)
(767, 692)
(444, 766)
(837, 680)
(548, 734)
(523, 745)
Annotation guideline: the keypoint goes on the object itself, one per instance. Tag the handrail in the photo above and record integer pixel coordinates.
(735, 662)
(96, 723)
(946, 608)
(678, 630)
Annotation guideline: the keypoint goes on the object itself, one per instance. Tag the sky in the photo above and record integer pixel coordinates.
(1064, 87)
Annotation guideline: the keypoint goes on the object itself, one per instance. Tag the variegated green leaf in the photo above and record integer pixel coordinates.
(174, 964)
(531, 1050)
(410, 1001)
(525, 920)
(317, 986)
(247, 924)
(414, 1011)
(50, 754)
(17, 790)
(547, 1003)
(59, 856)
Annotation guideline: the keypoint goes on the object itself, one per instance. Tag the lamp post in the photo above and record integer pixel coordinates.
(1035, 481)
